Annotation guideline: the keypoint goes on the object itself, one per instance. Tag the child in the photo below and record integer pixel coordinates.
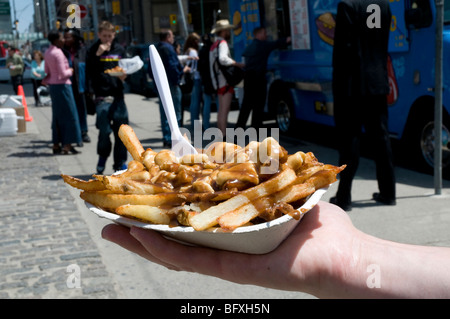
(109, 97)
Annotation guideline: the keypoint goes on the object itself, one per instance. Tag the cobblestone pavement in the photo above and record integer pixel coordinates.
(44, 242)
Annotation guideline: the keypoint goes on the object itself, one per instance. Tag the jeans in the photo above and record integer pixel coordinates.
(16, 81)
(36, 84)
(110, 116)
(207, 100)
(196, 97)
(176, 98)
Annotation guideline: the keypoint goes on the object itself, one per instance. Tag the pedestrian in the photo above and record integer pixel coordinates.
(255, 84)
(16, 66)
(209, 93)
(220, 51)
(108, 92)
(65, 122)
(325, 255)
(360, 88)
(191, 48)
(75, 52)
(37, 74)
(174, 70)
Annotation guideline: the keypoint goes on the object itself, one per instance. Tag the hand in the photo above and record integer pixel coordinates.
(103, 48)
(239, 65)
(312, 259)
(186, 69)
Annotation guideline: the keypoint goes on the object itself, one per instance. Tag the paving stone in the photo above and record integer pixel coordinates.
(42, 234)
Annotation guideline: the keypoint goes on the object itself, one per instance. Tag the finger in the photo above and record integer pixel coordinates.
(120, 235)
(223, 264)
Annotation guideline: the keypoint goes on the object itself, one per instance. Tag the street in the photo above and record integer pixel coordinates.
(35, 204)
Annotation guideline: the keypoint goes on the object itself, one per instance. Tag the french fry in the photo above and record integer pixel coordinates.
(131, 142)
(238, 217)
(209, 217)
(130, 186)
(110, 201)
(154, 215)
(91, 185)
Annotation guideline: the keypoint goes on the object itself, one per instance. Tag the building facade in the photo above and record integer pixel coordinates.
(136, 21)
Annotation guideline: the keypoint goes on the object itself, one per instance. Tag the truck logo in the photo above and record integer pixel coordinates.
(326, 25)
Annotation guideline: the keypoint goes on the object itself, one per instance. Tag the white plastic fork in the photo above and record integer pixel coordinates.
(180, 146)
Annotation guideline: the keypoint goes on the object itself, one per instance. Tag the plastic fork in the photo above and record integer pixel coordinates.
(180, 145)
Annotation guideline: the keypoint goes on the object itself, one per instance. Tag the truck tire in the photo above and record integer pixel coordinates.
(420, 141)
(285, 114)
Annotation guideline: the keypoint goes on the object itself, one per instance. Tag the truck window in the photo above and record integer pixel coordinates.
(283, 25)
(447, 12)
(418, 15)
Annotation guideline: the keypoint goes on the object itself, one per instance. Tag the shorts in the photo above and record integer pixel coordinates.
(225, 89)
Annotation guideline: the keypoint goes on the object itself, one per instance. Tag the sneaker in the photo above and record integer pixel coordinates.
(117, 168)
(101, 165)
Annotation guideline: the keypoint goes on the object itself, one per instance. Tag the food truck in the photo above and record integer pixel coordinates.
(299, 77)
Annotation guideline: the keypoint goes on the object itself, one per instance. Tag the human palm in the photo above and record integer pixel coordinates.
(316, 253)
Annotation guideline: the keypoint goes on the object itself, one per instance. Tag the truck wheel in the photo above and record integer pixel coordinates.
(421, 143)
(427, 145)
(285, 114)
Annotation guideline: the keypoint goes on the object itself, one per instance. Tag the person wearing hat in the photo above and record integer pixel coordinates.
(220, 50)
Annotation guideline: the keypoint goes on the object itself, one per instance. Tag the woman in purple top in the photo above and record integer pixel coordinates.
(65, 123)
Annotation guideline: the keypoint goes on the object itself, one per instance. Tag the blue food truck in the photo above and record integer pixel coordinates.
(299, 78)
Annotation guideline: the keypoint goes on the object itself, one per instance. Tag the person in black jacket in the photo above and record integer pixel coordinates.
(255, 84)
(209, 93)
(174, 70)
(360, 89)
(109, 97)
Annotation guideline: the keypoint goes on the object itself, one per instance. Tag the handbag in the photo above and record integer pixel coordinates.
(233, 74)
(187, 83)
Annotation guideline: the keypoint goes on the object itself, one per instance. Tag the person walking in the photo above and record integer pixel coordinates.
(65, 122)
(75, 52)
(220, 53)
(191, 48)
(360, 88)
(174, 70)
(110, 108)
(209, 93)
(255, 84)
(37, 74)
(14, 63)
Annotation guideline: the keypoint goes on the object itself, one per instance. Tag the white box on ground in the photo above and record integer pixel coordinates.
(8, 122)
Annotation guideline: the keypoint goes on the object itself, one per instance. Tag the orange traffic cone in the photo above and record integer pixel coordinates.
(20, 91)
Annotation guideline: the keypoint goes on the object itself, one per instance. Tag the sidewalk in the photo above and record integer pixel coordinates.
(41, 231)
(45, 226)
